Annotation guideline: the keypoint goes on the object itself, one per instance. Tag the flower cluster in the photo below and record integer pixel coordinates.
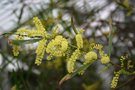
(72, 60)
(90, 57)
(115, 79)
(40, 51)
(123, 70)
(105, 59)
(57, 47)
(79, 40)
(40, 32)
(16, 47)
(38, 24)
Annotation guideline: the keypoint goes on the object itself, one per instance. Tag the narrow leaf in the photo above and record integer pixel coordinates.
(110, 38)
(69, 76)
(19, 42)
(73, 26)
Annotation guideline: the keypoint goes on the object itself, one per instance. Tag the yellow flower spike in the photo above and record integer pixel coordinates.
(57, 47)
(16, 47)
(33, 33)
(115, 80)
(41, 45)
(90, 57)
(40, 51)
(39, 58)
(70, 66)
(79, 40)
(23, 31)
(15, 50)
(38, 24)
(72, 60)
(105, 59)
(40, 27)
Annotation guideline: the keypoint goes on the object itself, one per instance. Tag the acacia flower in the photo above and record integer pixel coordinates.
(38, 24)
(15, 50)
(40, 51)
(105, 59)
(58, 46)
(31, 33)
(115, 80)
(79, 40)
(16, 47)
(40, 28)
(90, 57)
(70, 66)
(72, 60)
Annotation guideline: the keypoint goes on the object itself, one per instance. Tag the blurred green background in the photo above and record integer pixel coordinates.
(20, 73)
